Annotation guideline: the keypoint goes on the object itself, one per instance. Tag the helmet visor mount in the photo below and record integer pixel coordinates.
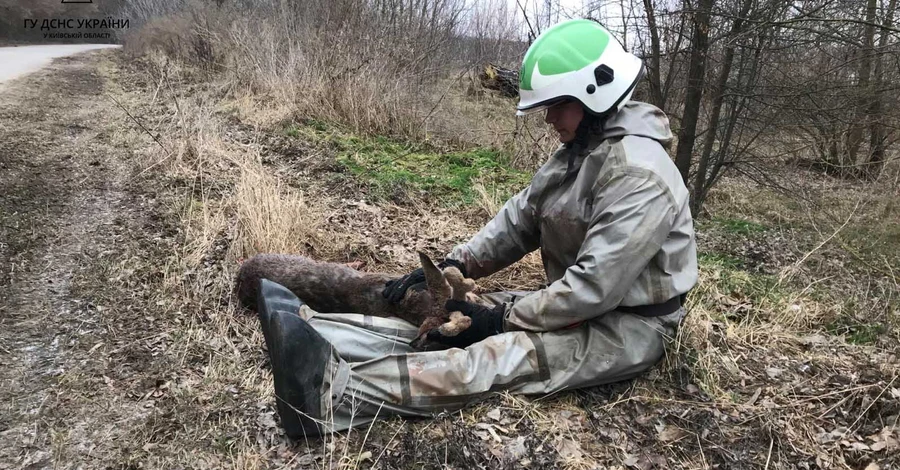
(544, 106)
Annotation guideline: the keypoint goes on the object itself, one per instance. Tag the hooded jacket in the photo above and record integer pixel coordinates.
(611, 219)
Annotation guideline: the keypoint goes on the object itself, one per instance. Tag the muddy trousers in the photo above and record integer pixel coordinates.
(373, 372)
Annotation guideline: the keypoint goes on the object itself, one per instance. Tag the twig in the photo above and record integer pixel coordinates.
(829, 410)
(789, 272)
(385, 448)
(438, 102)
(168, 152)
(891, 271)
(139, 124)
(838, 392)
(769, 458)
(366, 437)
(850, 428)
(702, 454)
(533, 35)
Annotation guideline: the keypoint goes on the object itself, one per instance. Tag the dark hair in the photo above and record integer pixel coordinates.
(591, 124)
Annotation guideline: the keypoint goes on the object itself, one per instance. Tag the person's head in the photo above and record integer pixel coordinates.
(573, 69)
(565, 117)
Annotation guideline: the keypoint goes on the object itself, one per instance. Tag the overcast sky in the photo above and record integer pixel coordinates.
(610, 10)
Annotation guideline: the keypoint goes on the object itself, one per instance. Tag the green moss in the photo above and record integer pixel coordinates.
(388, 166)
(723, 260)
(738, 226)
(856, 332)
(760, 292)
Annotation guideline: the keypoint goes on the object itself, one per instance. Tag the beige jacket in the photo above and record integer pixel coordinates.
(612, 222)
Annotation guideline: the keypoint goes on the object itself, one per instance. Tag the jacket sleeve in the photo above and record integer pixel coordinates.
(633, 213)
(509, 236)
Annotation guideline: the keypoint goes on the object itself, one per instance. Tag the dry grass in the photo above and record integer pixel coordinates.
(285, 59)
(272, 218)
(753, 379)
(355, 73)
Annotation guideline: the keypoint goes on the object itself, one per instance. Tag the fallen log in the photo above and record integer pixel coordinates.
(494, 77)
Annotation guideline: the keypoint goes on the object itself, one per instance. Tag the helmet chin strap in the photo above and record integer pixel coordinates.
(591, 124)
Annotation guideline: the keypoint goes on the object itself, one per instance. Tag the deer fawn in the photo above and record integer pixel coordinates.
(337, 288)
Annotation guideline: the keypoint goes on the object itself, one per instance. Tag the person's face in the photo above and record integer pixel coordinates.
(565, 117)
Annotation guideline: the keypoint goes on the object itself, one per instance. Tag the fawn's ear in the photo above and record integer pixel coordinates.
(433, 276)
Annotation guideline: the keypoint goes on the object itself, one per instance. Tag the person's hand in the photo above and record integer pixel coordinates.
(486, 321)
(395, 290)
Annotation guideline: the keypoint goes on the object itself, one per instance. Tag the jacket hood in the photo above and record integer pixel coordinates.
(639, 119)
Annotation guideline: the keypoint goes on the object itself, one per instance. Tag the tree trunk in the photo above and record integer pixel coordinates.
(700, 179)
(876, 129)
(674, 55)
(855, 136)
(748, 77)
(687, 134)
(654, 73)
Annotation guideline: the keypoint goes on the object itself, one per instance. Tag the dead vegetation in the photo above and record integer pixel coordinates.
(757, 378)
(779, 363)
(788, 358)
(381, 68)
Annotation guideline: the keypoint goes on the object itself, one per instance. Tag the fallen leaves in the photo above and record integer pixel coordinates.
(774, 372)
(646, 461)
(487, 431)
(754, 397)
(885, 440)
(364, 456)
(568, 449)
(668, 433)
(516, 448)
(814, 340)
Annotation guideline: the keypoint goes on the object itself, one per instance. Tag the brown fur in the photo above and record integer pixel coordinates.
(337, 288)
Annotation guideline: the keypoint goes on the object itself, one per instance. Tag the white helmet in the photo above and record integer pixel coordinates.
(581, 60)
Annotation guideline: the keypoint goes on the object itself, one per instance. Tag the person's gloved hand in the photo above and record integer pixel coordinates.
(395, 289)
(486, 322)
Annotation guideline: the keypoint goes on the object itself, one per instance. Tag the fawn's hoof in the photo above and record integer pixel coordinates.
(299, 356)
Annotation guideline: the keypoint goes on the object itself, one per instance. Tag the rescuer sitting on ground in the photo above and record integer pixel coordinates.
(609, 212)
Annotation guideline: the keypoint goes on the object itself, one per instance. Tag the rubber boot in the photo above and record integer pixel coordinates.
(299, 356)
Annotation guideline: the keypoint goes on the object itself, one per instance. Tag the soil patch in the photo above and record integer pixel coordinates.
(70, 215)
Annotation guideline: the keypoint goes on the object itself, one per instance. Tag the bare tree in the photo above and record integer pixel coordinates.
(654, 73)
(876, 119)
(695, 87)
(701, 179)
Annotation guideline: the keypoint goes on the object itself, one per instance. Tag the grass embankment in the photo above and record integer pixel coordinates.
(391, 167)
(758, 375)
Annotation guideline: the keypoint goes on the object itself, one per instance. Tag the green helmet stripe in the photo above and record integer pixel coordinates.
(571, 46)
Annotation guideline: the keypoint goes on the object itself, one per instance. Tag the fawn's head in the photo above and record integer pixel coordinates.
(440, 286)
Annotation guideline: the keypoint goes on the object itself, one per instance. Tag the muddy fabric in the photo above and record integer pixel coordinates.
(375, 373)
(612, 222)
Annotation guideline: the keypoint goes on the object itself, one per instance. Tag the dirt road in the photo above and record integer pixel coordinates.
(67, 212)
(18, 61)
